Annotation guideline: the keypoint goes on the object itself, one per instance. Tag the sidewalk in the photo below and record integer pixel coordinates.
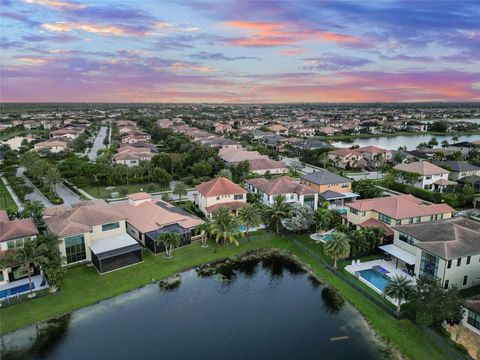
(12, 193)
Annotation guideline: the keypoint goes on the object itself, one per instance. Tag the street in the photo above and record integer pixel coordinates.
(98, 143)
(68, 196)
(36, 194)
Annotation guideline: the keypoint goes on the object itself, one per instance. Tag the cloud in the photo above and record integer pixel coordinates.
(204, 55)
(333, 63)
(19, 17)
(62, 5)
(291, 52)
(99, 29)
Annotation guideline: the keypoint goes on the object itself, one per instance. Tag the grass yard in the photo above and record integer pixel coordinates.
(83, 286)
(104, 193)
(6, 201)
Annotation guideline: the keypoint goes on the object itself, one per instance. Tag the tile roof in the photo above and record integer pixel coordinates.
(372, 149)
(422, 168)
(344, 152)
(448, 239)
(400, 206)
(374, 222)
(15, 229)
(265, 164)
(457, 166)
(81, 217)
(282, 185)
(233, 205)
(324, 177)
(234, 155)
(219, 186)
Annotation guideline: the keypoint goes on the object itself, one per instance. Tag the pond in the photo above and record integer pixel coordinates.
(257, 309)
(394, 142)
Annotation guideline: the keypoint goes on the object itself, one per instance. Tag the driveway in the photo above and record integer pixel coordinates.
(36, 194)
(98, 143)
(372, 175)
(68, 196)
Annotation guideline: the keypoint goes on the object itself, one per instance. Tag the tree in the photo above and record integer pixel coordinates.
(275, 213)
(455, 139)
(433, 142)
(180, 189)
(432, 304)
(445, 144)
(51, 262)
(398, 289)
(161, 176)
(301, 218)
(52, 177)
(225, 173)
(225, 227)
(34, 210)
(325, 218)
(29, 254)
(367, 189)
(201, 169)
(338, 247)
(250, 216)
(296, 166)
(170, 241)
(241, 171)
(205, 230)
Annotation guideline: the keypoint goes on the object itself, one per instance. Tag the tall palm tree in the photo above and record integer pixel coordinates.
(180, 190)
(337, 248)
(29, 254)
(225, 227)
(225, 173)
(250, 217)
(277, 212)
(169, 240)
(398, 289)
(323, 217)
(205, 230)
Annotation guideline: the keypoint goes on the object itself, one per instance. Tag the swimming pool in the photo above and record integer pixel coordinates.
(375, 278)
(15, 290)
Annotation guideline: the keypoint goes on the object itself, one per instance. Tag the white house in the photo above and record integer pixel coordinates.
(431, 177)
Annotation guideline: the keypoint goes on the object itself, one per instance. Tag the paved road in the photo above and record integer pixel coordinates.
(372, 175)
(68, 196)
(98, 143)
(306, 168)
(36, 194)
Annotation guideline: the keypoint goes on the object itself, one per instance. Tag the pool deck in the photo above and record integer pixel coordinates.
(37, 280)
(387, 265)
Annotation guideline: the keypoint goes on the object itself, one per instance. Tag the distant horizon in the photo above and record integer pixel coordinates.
(240, 52)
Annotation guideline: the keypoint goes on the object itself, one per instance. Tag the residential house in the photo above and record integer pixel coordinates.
(67, 133)
(430, 176)
(53, 146)
(93, 231)
(347, 158)
(265, 165)
(335, 189)
(12, 235)
(132, 156)
(294, 192)
(447, 249)
(375, 155)
(389, 211)
(217, 193)
(278, 129)
(458, 169)
(471, 316)
(136, 136)
(222, 128)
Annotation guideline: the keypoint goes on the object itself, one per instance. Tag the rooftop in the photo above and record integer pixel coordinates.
(219, 186)
(324, 177)
(422, 168)
(15, 229)
(282, 185)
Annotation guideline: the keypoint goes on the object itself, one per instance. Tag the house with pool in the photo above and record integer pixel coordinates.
(13, 233)
(294, 192)
(389, 211)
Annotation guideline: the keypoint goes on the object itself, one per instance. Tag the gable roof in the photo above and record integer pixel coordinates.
(15, 229)
(372, 149)
(344, 152)
(422, 168)
(400, 206)
(324, 177)
(282, 185)
(457, 166)
(234, 155)
(266, 164)
(449, 239)
(219, 186)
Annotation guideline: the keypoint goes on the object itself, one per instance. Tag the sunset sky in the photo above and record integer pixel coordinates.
(239, 51)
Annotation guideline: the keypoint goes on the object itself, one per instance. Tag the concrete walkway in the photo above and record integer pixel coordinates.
(14, 196)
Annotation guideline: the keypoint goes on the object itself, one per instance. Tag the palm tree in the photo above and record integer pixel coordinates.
(225, 173)
(323, 217)
(250, 216)
(277, 212)
(444, 144)
(337, 248)
(34, 210)
(225, 227)
(180, 189)
(398, 288)
(169, 240)
(455, 139)
(29, 254)
(205, 230)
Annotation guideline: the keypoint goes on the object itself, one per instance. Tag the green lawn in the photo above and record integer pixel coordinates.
(83, 286)
(6, 201)
(104, 193)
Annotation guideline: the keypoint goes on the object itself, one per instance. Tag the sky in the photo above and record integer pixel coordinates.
(239, 51)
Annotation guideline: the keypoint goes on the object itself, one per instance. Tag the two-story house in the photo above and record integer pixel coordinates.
(447, 249)
(217, 193)
(93, 231)
(12, 235)
(389, 211)
(375, 155)
(462, 172)
(347, 158)
(278, 129)
(430, 176)
(294, 192)
(335, 189)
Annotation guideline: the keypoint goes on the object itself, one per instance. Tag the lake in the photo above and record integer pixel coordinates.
(268, 309)
(394, 142)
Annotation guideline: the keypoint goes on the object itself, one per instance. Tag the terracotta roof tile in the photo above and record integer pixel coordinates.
(219, 186)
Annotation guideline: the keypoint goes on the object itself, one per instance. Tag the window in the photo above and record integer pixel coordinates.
(344, 185)
(11, 245)
(75, 248)
(238, 197)
(428, 265)
(419, 219)
(410, 221)
(111, 226)
(446, 284)
(468, 259)
(1, 276)
(354, 211)
(473, 319)
(406, 238)
(465, 280)
(399, 222)
(449, 264)
(459, 261)
(218, 197)
(386, 219)
(19, 243)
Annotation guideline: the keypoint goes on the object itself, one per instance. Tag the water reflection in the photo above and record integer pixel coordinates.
(333, 300)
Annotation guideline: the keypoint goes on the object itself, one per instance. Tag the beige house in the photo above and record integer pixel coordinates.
(344, 158)
(53, 146)
(278, 129)
(446, 249)
(430, 176)
(389, 211)
(217, 193)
